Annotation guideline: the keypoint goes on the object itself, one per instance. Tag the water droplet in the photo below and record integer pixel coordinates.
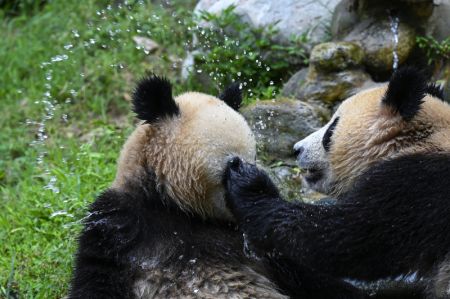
(51, 186)
(61, 213)
(58, 58)
(75, 33)
(394, 29)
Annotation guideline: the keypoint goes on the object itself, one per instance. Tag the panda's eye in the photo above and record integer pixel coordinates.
(327, 136)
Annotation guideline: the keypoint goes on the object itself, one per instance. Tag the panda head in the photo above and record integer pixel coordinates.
(406, 116)
(186, 142)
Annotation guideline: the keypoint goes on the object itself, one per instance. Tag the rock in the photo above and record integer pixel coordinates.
(349, 13)
(438, 24)
(145, 43)
(336, 56)
(443, 78)
(376, 39)
(279, 124)
(287, 178)
(294, 83)
(291, 17)
(446, 87)
(328, 88)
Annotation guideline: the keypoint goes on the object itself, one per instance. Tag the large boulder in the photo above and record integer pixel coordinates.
(336, 56)
(279, 124)
(334, 74)
(438, 24)
(331, 88)
(349, 13)
(371, 23)
(377, 40)
(290, 17)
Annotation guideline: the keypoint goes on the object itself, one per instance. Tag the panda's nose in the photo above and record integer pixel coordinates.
(298, 150)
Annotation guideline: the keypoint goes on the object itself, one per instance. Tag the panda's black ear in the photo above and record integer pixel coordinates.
(152, 99)
(405, 92)
(232, 95)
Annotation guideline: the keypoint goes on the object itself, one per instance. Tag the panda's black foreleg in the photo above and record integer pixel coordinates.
(300, 281)
(385, 227)
(102, 266)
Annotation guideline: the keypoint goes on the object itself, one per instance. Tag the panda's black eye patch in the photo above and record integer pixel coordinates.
(326, 140)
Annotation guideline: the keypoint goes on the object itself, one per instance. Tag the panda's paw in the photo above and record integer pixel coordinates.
(246, 184)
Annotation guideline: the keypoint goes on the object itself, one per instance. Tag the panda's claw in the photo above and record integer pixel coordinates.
(245, 185)
(234, 163)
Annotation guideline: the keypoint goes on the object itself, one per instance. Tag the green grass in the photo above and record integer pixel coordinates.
(89, 119)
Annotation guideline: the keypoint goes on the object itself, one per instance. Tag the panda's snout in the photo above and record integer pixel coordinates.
(313, 160)
(298, 150)
(309, 151)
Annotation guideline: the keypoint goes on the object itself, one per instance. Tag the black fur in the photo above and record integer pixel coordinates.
(232, 95)
(300, 281)
(435, 90)
(125, 227)
(326, 140)
(405, 92)
(152, 99)
(389, 224)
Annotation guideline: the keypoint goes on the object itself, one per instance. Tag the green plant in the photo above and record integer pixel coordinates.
(436, 51)
(11, 8)
(231, 50)
(79, 56)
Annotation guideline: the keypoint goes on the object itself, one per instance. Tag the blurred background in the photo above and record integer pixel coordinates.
(68, 69)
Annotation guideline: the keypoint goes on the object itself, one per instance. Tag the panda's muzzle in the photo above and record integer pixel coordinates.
(312, 170)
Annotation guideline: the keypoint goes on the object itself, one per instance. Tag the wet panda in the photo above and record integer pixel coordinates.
(385, 156)
(162, 230)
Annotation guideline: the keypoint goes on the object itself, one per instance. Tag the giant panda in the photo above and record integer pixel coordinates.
(162, 229)
(385, 156)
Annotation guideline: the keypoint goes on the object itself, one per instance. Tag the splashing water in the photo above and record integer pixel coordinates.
(52, 105)
(394, 29)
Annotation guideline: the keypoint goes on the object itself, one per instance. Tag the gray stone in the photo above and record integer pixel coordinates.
(443, 78)
(294, 83)
(336, 56)
(328, 88)
(291, 17)
(286, 177)
(145, 43)
(376, 39)
(438, 24)
(279, 124)
(349, 13)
